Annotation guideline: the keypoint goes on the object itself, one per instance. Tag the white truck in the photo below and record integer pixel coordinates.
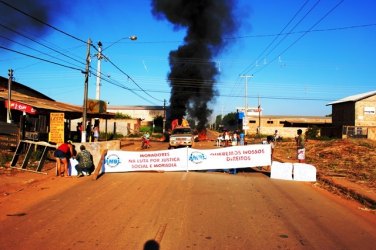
(181, 137)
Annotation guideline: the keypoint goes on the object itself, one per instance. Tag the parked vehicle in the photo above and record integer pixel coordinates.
(181, 137)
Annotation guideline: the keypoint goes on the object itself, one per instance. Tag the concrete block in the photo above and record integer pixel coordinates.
(304, 172)
(282, 171)
(96, 148)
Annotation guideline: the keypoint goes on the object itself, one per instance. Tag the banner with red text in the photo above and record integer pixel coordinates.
(185, 159)
(21, 107)
(163, 160)
(230, 157)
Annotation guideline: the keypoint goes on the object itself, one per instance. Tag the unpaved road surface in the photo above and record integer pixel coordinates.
(181, 210)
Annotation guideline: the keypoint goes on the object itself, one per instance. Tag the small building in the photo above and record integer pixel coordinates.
(287, 126)
(145, 113)
(355, 116)
(30, 112)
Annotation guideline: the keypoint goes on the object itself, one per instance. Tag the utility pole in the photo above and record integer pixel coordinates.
(259, 110)
(9, 115)
(100, 56)
(83, 135)
(98, 86)
(164, 116)
(246, 101)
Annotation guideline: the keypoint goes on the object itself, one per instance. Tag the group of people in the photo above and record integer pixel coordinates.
(231, 139)
(237, 138)
(92, 132)
(65, 152)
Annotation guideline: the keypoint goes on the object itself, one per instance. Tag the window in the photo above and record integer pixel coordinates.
(270, 122)
(369, 110)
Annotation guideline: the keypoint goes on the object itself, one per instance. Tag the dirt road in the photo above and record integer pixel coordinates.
(181, 210)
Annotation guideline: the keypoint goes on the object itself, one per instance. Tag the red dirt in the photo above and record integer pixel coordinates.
(354, 160)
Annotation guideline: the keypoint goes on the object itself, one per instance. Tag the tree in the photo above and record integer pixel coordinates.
(218, 121)
(230, 121)
(158, 123)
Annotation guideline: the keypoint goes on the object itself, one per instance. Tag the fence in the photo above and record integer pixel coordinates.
(354, 132)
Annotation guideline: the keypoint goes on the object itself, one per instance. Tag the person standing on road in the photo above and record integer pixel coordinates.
(227, 138)
(276, 136)
(270, 140)
(62, 154)
(300, 145)
(241, 137)
(96, 133)
(234, 139)
(85, 162)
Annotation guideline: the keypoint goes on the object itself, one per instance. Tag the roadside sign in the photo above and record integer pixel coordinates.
(56, 128)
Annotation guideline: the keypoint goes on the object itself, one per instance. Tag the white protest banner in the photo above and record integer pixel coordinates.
(230, 157)
(184, 159)
(163, 160)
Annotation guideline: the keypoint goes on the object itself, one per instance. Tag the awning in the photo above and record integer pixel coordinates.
(44, 106)
(21, 107)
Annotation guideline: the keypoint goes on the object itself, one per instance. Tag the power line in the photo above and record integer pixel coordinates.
(41, 59)
(48, 47)
(309, 31)
(285, 27)
(39, 51)
(299, 38)
(252, 66)
(42, 22)
(81, 70)
(251, 97)
(115, 83)
(130, 78)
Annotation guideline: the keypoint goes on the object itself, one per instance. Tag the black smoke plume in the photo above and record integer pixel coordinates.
(14, 23)
(192, 73)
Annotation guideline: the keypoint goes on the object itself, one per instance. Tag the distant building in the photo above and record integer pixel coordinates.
(355, 116)
(251, 111)
(287, 126)
(145, 113)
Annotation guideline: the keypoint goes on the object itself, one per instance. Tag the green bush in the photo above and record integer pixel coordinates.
(119, 115)
(312, 132)
(158, 129)
(145, 129)
(157, 135)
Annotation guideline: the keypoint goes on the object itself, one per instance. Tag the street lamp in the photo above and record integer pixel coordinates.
(100, 57)
(132, 38)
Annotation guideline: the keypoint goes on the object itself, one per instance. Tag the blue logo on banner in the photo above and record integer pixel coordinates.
(112, 161)
(197, 157)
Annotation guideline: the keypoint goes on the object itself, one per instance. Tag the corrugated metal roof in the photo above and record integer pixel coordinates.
(40, 103)
(137, 107)
(22, 89)
(354, 98)
(73, 111)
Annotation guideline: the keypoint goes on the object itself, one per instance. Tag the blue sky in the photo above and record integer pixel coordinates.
(329, 55)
